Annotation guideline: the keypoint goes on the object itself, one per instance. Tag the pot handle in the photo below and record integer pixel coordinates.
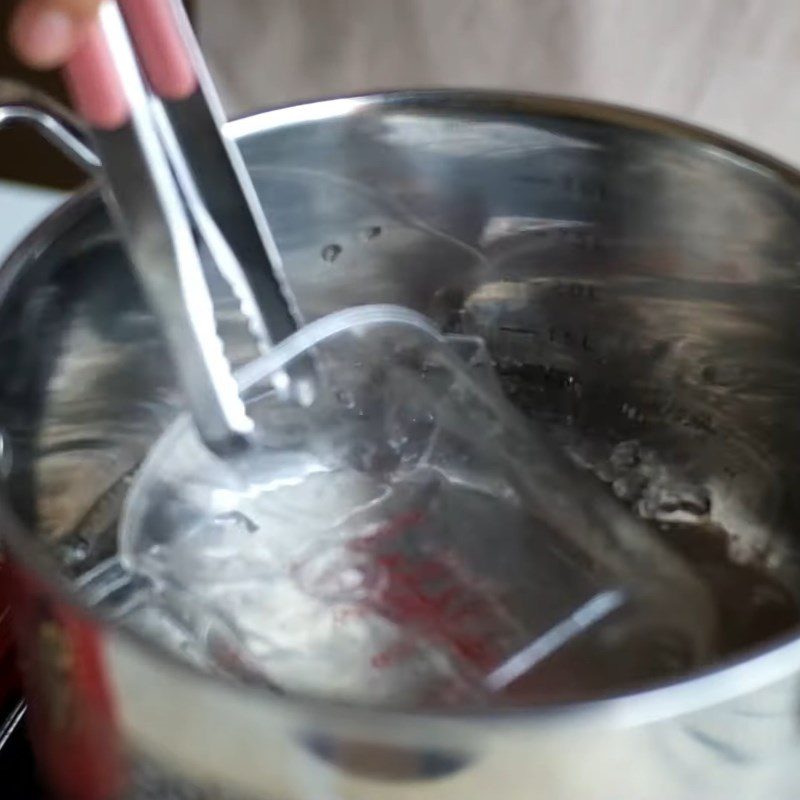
(20, 103)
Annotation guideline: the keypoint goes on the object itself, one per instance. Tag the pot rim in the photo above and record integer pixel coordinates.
(734, 677)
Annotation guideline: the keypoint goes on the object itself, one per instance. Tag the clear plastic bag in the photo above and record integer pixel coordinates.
(408, 539)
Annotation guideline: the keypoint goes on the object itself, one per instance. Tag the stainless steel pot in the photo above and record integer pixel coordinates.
(636, 280)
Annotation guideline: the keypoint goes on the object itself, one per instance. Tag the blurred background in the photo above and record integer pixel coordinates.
(24, 156)
(728, 65)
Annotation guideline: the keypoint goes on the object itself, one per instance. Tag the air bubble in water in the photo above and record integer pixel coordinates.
(74, 551)
(331, 252)
(233, 522)
(337, 575)
(625, 455)
(673, 502)
(629, 487)
(346, 399)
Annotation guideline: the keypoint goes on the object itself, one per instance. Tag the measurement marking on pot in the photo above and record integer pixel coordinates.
(331, 252)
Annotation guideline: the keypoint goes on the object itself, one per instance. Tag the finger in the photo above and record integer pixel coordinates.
(78, 8)
(45, 33)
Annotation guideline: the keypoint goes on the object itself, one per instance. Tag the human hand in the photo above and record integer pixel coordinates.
(45, 33)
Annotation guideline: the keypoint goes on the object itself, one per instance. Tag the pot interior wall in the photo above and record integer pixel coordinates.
(638, 289)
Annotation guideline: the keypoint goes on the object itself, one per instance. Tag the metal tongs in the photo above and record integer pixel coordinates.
(183, 202)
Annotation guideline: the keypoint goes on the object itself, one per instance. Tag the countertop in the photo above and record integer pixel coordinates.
(21, 208)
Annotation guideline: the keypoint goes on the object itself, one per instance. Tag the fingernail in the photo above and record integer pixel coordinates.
(44, 39)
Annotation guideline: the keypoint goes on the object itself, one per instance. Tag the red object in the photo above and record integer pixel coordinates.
(94, 80)
(70, 708)
(435, 596)
(95, 85)
(9, 677)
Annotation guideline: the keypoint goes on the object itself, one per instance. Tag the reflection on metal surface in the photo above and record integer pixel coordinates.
(509, 139)
(11, 723)
(660, 310)
(19, 104)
